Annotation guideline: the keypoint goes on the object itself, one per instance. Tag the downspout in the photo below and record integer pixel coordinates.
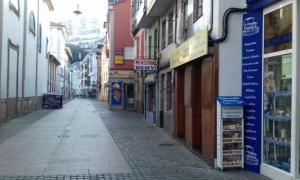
(1, 31)
(176, 16)
(225, 22)
(37, 51)
(24, 54)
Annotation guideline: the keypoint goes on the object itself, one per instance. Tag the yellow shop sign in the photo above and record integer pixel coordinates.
(193, 48)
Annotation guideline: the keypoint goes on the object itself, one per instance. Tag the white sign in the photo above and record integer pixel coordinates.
(232, 112)
(145, 65)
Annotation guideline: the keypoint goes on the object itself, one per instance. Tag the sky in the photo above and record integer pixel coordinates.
(63, 9)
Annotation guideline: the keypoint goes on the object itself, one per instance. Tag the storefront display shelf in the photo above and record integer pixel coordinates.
(278, 118)
(277, 142)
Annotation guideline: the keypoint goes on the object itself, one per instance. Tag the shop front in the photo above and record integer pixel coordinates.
(121, 90)
(270, 88)
(195, 92)
(149, 68)
(151, 98)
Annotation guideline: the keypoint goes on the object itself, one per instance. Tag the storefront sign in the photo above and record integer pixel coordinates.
(116, 93)
(121, 74)
(145, 65)
(259, 4)
(119, 56)
(119, 59)
(193, 48)
(252, 88)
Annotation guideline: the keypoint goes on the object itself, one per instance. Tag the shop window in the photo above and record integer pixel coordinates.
(198, 9)
(278, 30)
(162, 92)
(169, 91)
(163, 34)
(277, 88)
(152, 98)
(170, 27)
(32, 23)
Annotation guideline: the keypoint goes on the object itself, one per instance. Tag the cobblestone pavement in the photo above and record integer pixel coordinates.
(148, 150)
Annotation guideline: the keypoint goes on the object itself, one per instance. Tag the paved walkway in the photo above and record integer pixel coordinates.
(85, 140)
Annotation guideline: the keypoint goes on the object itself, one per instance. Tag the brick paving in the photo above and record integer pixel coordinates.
(149, 152)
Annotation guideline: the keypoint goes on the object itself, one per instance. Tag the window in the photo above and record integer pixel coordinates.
(277, 88)
(198, 9)
(14, 5)
(32, 23)
(155, 44)
(170, 27)
(40, 39)
(150, 47)
(47, 44)
(163, 34)
(169, 91)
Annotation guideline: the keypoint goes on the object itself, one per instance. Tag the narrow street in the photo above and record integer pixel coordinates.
(85, 140)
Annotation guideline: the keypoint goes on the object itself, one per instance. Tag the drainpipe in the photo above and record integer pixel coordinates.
(176, 16)
(225, 23)
(1, 31)
(24, 54)
(37, 51)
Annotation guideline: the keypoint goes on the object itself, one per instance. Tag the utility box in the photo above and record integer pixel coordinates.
(52, 101)
(230, 132)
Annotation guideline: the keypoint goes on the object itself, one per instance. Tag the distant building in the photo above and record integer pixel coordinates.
(59, 61)
(121, 87)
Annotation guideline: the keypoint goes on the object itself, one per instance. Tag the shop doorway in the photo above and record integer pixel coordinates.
(129, 96)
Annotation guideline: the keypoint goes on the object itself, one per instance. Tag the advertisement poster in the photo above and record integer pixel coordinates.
(252, 88)
(116, 93)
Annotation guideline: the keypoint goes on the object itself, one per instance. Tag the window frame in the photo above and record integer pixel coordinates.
(197, 14)
(15, 9)
(163, 34)
(32, 23)
(170, 27)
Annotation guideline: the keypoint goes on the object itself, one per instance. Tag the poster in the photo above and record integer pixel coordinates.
(116, 93)
(286, 72)
(252, 88)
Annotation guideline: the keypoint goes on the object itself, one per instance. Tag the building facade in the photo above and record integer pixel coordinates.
(121, 77)
(23, 55)
(270, 87)
(60, 58)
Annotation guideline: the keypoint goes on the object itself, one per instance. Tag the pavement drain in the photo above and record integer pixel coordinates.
(167, 144)
(63, 136)
(89, 136)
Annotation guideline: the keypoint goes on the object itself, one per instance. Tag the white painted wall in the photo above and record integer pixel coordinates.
(230, 51)
(13, 29)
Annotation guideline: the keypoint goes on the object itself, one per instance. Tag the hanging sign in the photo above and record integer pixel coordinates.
(145, 65)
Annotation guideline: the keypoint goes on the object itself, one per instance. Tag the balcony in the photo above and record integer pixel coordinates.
(140, 18)
(158, 7)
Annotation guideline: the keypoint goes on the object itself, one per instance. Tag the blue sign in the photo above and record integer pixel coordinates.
(230, 100)
(252, 88)
(260, 4)
(116, 93)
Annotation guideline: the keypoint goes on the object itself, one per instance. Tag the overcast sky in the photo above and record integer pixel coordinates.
(63, 9)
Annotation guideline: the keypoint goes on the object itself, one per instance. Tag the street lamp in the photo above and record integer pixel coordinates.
(77, 12)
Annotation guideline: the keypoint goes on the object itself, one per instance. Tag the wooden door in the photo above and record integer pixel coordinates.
(207, 108)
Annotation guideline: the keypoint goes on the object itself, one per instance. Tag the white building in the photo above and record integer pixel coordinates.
(24, 33)
(59, 62)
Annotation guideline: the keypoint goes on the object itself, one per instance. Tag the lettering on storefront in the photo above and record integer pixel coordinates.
(252, 85)
(121, 74)
(145, 65)
(193, 48)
